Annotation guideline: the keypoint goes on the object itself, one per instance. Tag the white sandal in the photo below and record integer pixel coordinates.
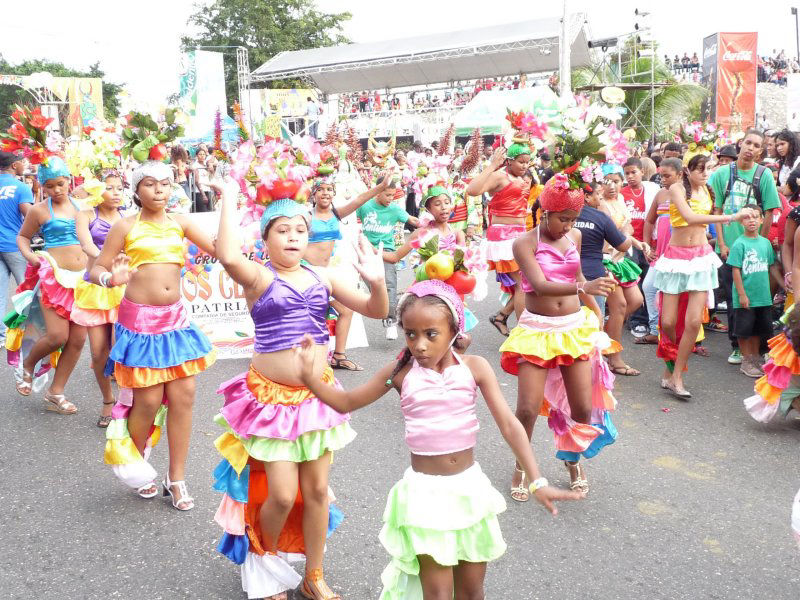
(58, 403)
(186, 500)
(23, 387)
(143, 493)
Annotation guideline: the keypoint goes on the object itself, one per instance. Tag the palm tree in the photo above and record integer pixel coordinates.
(673, 103)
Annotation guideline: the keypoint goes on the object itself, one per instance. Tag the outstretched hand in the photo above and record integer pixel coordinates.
(498, 157)
(370, 262)
(304, 357)
(121, 272)
(547, 495)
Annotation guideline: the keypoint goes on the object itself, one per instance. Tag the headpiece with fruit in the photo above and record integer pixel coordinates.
(146, 140)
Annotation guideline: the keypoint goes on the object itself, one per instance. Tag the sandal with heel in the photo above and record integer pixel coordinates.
(58, 403)
(185, 502)
(579, 482)
(320, 589)
(520, 493)
(24, 380)
(144, 493)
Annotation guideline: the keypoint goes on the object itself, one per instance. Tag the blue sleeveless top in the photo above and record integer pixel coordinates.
(59, 231)
(323, 231)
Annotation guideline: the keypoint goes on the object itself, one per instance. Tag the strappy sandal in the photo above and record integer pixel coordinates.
(626, 371)
(320, 589)
(520, 493)
(144, 493)
(185, 502)
(105, 420)
(24, 386)
(579, 482)
(344, 362)
(58, 403)
(497, 322)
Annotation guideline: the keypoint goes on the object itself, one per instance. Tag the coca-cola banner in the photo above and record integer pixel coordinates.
(736, 80)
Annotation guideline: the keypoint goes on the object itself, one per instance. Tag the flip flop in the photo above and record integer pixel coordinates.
(344, 362)
(625, 371)
(648, 339)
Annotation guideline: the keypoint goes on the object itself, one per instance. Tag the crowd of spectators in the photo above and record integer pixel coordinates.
(685, 64)
(773, 69)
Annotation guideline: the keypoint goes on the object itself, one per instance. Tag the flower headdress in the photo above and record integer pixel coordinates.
(28, 136)
(97, 150)
(145, 139)
(528, 133)
(701, 137)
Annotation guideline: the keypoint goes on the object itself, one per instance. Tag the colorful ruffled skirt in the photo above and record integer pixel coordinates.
(687, 269)
(499, 255)
(266, 421)
(552, 342)
(96, 305)
(779, 386)
(625, 272)
(450, 518)
(154, 345)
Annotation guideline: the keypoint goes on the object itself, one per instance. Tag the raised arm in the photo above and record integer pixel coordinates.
(370, 267)
(677, 196)
(351, 206)
(487, 179)
(229, 245)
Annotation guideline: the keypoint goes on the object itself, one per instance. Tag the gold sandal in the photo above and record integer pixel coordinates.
(58, 403)
(24, 386)
(320, 591)
(579, 482)
(520, 493)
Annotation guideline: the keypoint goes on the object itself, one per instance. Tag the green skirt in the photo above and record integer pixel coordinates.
(450, 518)
(624, 272)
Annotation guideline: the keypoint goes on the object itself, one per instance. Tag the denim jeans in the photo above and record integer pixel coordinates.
(11, 263)
(390, 273)
(641, 315)
(649, 290)
(601, 302)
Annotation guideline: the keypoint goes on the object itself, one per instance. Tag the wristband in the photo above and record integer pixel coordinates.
(105, 279)
(537, 484)
(579, 287)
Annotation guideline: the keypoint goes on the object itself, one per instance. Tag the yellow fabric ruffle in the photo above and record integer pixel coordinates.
(96, 297)
(14, 339)
(267, 391)
(546, 345)
(229, 446)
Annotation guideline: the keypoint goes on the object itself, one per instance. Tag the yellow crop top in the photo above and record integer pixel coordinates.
(149, 242)
(699, 206)
(618, 212)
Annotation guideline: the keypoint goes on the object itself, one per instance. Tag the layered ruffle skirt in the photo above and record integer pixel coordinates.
(266, 421)
(499, 254)
(552, 342)
(96, 305)
(154, 345)
(687, 269)
(450, 518)
(625, 272)
(779, 386)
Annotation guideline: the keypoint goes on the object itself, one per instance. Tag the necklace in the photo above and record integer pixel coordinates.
(634, 194)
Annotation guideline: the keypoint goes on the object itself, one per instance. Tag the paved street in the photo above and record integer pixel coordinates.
(693, 501)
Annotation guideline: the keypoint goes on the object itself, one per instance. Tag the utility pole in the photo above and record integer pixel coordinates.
(796, 33)
(564, 70)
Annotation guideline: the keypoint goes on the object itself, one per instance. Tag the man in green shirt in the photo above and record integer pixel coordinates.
(729, 199)
(378, 218)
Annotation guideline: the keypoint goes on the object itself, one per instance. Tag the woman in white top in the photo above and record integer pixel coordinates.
(788, 151)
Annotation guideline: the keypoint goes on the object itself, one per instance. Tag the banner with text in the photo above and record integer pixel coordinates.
(202, 89)
(736, 80)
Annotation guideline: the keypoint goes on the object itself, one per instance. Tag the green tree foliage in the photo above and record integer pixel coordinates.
(11, 95)
(265, 28)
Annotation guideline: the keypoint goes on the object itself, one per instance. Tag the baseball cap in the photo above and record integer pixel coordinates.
(729, 151)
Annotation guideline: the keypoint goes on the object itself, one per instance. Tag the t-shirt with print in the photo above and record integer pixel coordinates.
(12, 193)
(753, 255)
(638, 203)
(378, 221)
(741, 193)
(596, 227)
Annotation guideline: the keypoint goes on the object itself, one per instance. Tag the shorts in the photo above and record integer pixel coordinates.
(753, 322)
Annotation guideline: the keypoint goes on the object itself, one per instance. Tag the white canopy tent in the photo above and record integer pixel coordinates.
(502, 50)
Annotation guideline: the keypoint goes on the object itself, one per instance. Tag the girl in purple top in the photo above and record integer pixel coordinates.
(96, 306)
(279, 436)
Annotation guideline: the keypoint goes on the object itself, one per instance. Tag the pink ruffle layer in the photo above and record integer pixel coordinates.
(249, 417)
(55, 295)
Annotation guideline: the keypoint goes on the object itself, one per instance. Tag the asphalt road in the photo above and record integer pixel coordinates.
(693, 501)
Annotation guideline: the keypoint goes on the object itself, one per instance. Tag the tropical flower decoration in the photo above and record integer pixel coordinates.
(97, 148)
(146, 140)
(525, 128)
(702, 137)
(27, 135)
(587, 139)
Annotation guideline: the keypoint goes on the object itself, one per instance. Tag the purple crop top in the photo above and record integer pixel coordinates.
(555, 266)
(283, 315)
(98, 229)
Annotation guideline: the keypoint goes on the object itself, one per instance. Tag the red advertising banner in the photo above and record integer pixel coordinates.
(736, 80)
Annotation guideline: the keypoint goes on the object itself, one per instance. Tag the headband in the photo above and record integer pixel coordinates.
(157, 170)
(443, 291)
(515, 149)
(55, 167)
(436, 190)
(323, 180)
(612, 169)
(285, 207)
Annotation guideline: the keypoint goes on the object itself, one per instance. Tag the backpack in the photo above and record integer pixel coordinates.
(755, 185)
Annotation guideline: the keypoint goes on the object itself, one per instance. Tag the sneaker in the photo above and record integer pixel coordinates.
(722, 306)
(735, 358)
(750, 368)
(639, 331)
(391, 329)
(716, 325)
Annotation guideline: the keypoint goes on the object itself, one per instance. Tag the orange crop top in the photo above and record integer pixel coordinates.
(699, 206)
(509, 202)
(149, 242)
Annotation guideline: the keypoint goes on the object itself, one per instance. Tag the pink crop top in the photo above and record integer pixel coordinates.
(439, 409)
(555, 266)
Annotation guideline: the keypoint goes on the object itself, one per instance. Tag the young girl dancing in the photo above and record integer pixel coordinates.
(96, 306)
(157, 351)
(687, 271)
(444, 503)
(277, 448)
(556, 348)
(58, 268)
(324, 235)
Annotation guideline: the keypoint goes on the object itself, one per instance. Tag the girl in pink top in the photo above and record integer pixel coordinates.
(444, 503)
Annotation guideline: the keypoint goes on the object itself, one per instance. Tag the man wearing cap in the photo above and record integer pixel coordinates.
(15, 200)
(726, 155)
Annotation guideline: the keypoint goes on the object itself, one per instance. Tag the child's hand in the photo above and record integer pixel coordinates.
(304, 358)
(744, 301)
(547, 495)
(370, 262)
(120, 270)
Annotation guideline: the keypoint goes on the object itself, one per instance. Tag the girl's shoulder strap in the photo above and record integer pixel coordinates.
(50, 208)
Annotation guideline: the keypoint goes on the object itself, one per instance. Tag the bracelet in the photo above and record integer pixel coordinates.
(579, 287)
(105, 279)
(537, 484)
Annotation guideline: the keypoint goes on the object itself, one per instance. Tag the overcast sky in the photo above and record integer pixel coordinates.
(140, 46)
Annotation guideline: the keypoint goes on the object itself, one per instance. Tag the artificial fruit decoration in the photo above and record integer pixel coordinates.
(440, 266)
(462, 282)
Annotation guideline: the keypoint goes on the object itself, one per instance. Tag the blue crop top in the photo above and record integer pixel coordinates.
(283, 315)
(59, 231)
(323, 231)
